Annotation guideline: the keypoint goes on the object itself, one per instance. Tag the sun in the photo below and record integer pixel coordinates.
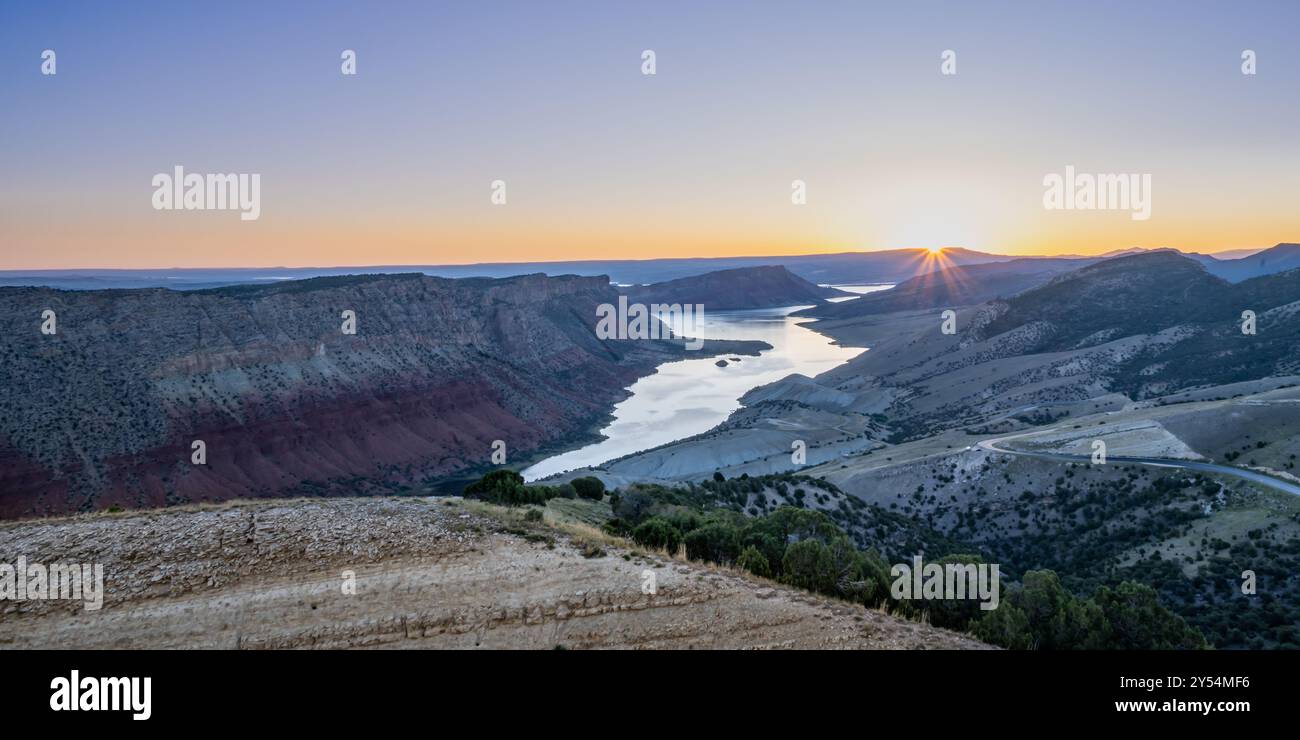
(934, 250)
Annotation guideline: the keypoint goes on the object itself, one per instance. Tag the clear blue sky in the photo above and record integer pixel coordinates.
(394, 165)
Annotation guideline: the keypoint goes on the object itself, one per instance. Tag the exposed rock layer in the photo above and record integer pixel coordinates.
(105, 411)
(426, 575)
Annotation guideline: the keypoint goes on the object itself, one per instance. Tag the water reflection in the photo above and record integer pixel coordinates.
(691, 396)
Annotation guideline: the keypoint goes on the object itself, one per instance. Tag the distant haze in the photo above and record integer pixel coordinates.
(845, 268)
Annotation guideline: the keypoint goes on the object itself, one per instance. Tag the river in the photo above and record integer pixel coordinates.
(688, 397)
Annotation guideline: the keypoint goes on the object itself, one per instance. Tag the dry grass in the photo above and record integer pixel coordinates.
(583, 535)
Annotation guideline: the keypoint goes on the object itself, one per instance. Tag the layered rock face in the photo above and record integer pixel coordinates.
(268, 574)
(106, 410)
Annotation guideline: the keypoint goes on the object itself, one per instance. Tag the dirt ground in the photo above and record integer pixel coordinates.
(424, 574)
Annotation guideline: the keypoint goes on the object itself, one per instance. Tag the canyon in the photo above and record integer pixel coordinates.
(105, 412)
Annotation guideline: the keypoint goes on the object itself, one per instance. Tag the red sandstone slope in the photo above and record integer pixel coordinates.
(104, 412)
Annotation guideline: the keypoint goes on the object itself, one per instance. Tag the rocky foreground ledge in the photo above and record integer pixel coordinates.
(407, 573)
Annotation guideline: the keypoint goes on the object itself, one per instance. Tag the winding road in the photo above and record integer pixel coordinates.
(1266, 480)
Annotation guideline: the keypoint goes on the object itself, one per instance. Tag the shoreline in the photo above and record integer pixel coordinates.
(703, 436)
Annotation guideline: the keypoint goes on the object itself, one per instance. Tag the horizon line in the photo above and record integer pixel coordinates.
(1073, 255)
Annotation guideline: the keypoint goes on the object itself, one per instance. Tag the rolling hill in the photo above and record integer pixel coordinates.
(952, 287)
(769, 286)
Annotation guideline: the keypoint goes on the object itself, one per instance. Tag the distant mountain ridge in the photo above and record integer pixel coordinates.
(844, 268)
(1126, 329)
(1196, 315)
(1233, 265)
(888, 266)
(951, 288)
(1143, 325)
(1280, 258)
(1134, 294)
(968, 285)
(741, 288)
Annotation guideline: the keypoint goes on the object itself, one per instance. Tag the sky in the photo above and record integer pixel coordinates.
(395, 164)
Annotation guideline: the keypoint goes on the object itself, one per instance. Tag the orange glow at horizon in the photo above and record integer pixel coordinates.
(48, 239)
(935, 277)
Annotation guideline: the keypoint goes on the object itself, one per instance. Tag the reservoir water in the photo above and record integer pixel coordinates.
(687, 397)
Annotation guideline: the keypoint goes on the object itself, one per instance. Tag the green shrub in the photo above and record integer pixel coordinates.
(875, 571)
(1137, 621)
(807, 564)
(684, 519)
(589, 487)
(656, 532)
(1041, 614)
(1058, 620)
(836, 568)
(506, 487)
(633, 506)
(1006, 626)
(754, 561)
(956, 614)
(497, 486)
(715, 543)
(768, 545)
